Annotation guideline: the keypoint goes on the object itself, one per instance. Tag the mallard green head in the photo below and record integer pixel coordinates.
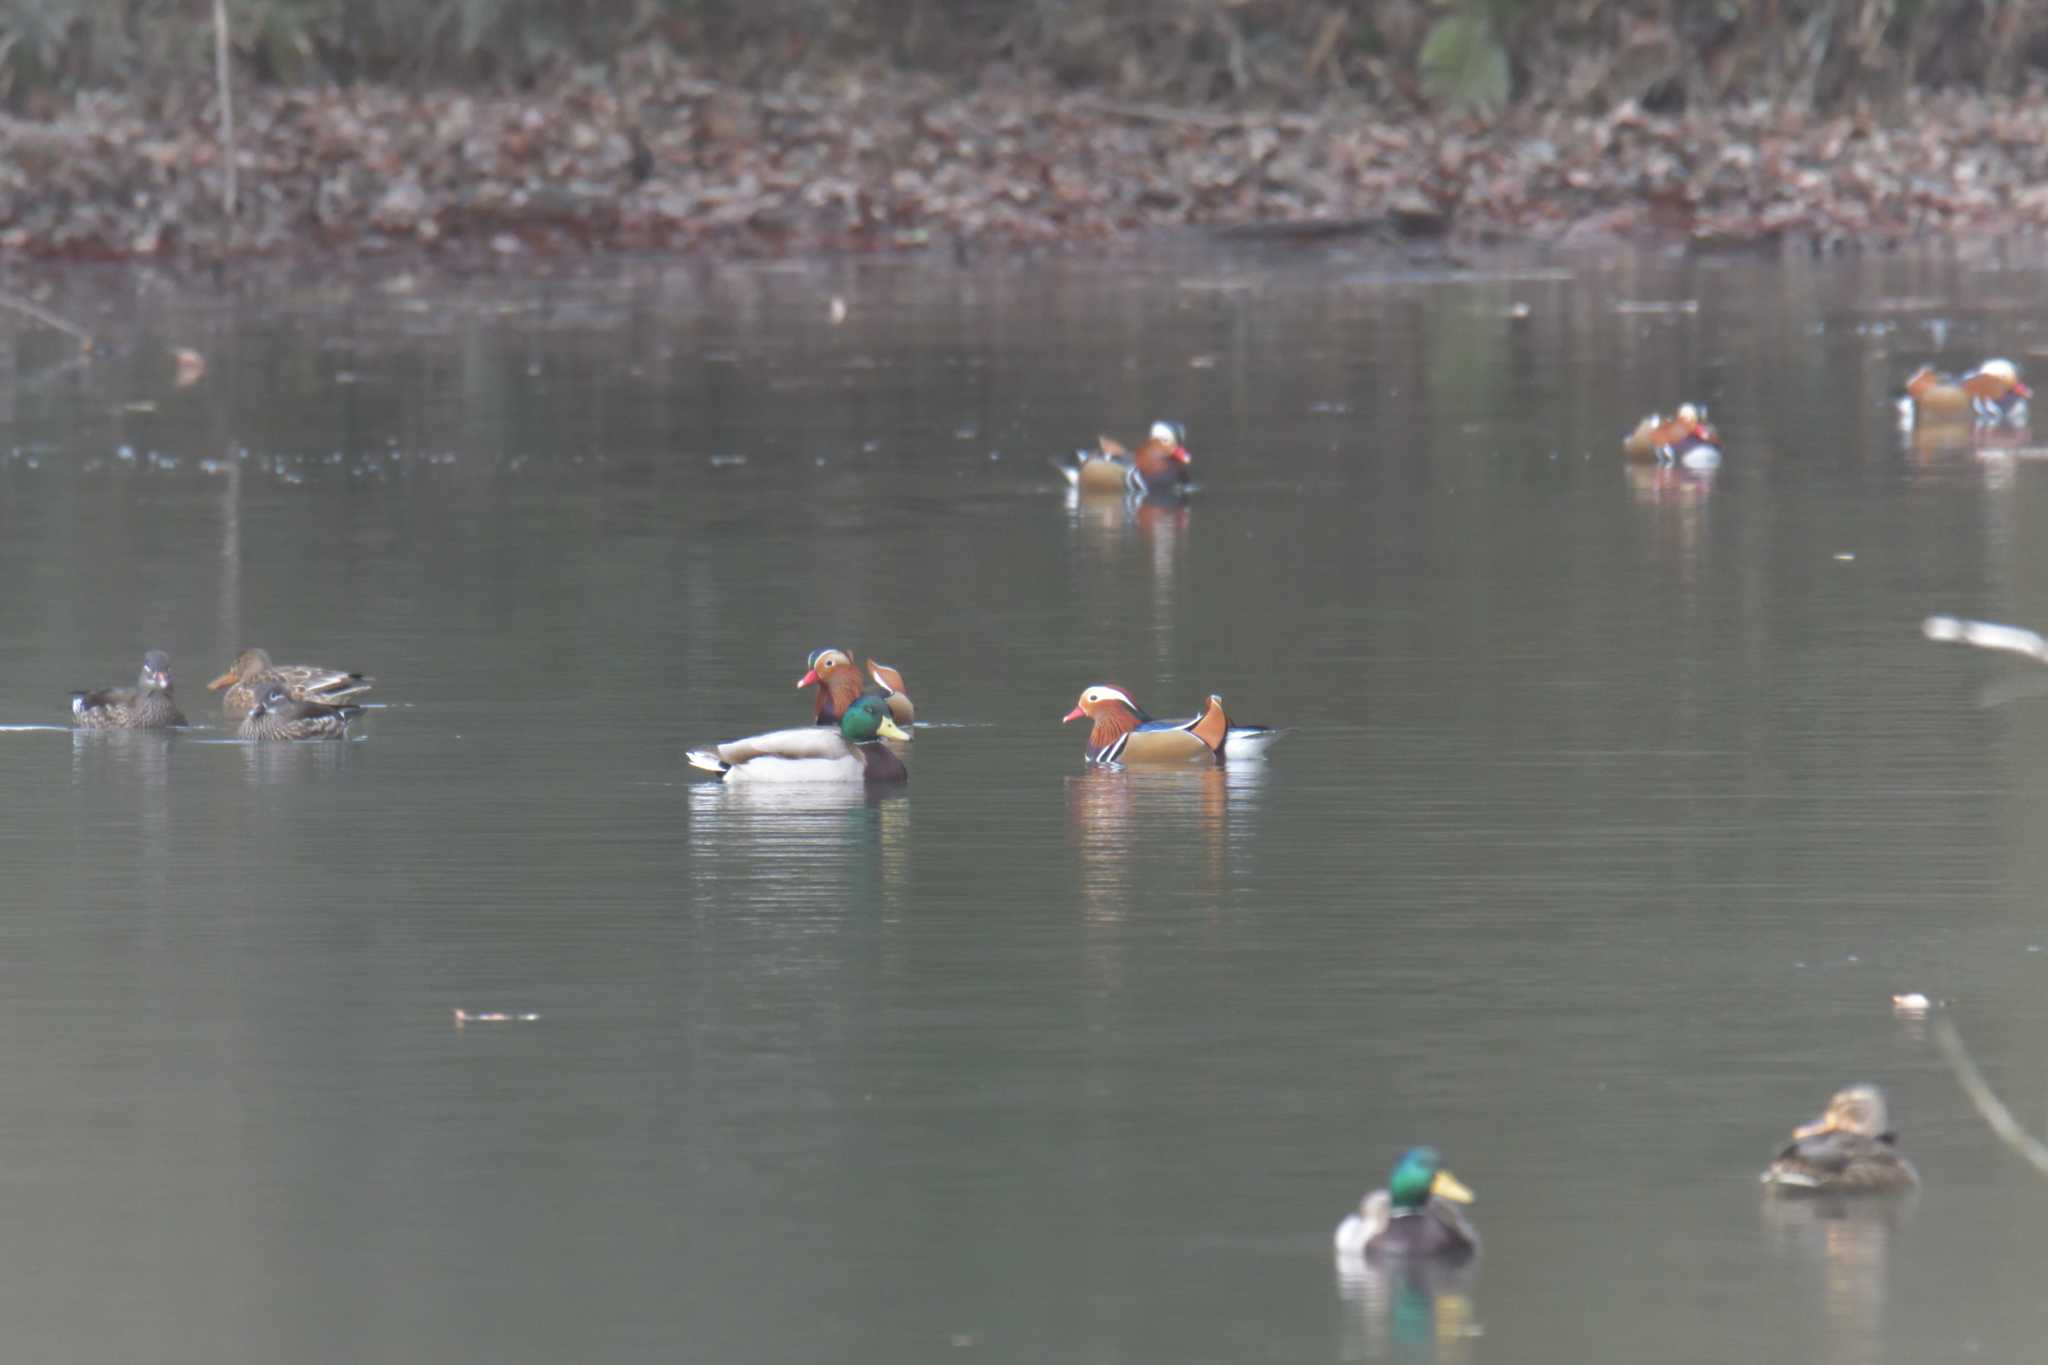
(1417, 1176)
(868, 719)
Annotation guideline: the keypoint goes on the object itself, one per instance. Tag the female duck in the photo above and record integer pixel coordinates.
(1158, 466)
(252, 672)
(839, 685)
(277, 715)
(146, 706)
(812, 754)
(1850, 1149)
(1416, 1215)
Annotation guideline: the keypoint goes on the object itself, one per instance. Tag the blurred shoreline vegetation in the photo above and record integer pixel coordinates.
(1579, 56)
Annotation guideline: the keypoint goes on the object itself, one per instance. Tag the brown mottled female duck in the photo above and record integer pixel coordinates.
(252, 671)
(1159, 466)
(1416, 1215)
(1850, 1149)
(839, 686)
(278, 715)
(146, 706)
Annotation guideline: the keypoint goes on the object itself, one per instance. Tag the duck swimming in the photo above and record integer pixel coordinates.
(146, 706)
(278, 715)
(813, 754)
(1849, 1149)
(1122, 732)
(1159, 466)
(839, 685)
(1416, 1215)
(252, 671)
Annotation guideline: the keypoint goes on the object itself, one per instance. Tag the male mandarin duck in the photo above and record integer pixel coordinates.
(252, 672)
(1123, 733)
(811, 754)
(1684, 438)
(146, 706)
(1416, 1215)
(1992, 392)
(1160, 465)
(279, 715)
(1850, 1149)
(839, 685)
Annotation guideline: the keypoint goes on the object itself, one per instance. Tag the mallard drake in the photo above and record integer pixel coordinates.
(839, 685)
(1160, 465)
(812, 754)
(1416, 1215)
(1684, 438)
(279, 715)
(1849, 1149)
(1123, 733)
(146, 706)
(252, 671)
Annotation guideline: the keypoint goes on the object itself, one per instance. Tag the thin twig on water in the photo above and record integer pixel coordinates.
(1981, 1095)
(47, 318)
(227, 107)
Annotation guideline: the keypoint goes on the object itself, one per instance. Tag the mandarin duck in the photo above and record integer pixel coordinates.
(146, 706)
(1849, 1149)
(1159, 466)
(839, 685)
(252, 671)
(1990, 393)
(279, 715)
(1122, 732)
(1416, 1215)
(811, 754)
(1684, 439)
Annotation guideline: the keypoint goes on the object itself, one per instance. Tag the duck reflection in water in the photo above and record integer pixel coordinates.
(1845, 1244)
(1420, 1309)
(800, 837)
(1117, 818)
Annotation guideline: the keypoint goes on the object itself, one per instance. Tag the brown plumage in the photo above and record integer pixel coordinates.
(840, 685)
(1122, 732)
(1657, 437)
(146, 706)
(278, 715)
(1850, 1149)
(1158, 466)
(252, 671)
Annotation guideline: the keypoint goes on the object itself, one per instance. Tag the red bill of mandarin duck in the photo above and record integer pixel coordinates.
(847, 753)
(146, 706)
(1160, 465)
(1122, 732)
(279, 715)
(839, 685)
(1849, 1149)
(252, 672)
(1684, 438)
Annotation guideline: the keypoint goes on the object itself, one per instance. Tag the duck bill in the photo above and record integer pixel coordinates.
(1448, 1186)
(224, 680)
(1181, 453)
(1821, 1125)
(1076, 714)
(891, 730)
(809, 679)
(162, 680)
(2022, 390)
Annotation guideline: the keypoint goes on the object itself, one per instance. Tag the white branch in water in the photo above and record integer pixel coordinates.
(1987, 1102)
(1985, 635)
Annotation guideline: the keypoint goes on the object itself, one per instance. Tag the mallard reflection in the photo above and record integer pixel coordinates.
(1847, 1241)
(799, 841)
(1419, 1309)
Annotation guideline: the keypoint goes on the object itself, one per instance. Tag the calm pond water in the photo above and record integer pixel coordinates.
(1616, 808)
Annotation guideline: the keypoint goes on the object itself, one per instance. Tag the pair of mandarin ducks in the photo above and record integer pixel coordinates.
(1157, 468)
(265, 700)
(1849, 1149)
(1990, 395)
(1683, 439)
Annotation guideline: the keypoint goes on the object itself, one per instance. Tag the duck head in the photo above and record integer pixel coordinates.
(1418, 1177)
(1102, 700)
(831, 671)
(156, 672)
(1171, 439)
(274, 698)
(1995, 379)
(247, 665)
(868, 720)
(1857, 1109)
